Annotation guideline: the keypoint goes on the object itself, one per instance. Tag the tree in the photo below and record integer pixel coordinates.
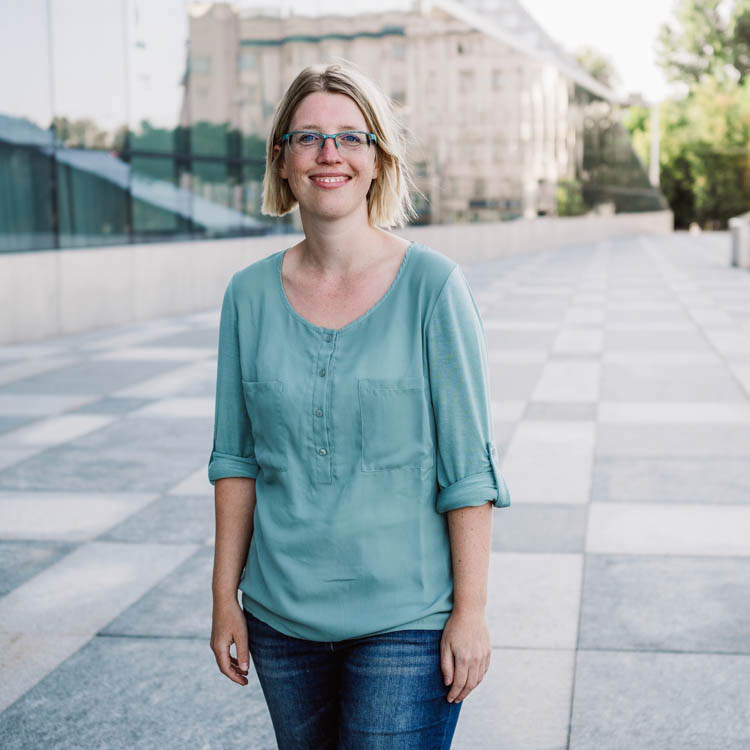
(598, 66)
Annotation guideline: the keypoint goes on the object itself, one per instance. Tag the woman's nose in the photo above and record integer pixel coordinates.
(329, 151)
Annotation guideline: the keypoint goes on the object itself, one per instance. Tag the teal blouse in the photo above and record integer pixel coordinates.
(360, 439)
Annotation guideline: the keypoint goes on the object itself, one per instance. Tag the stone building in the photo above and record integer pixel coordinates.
(491, 102)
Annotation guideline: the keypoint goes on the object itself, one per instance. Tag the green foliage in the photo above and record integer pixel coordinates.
(598, 65)
(569, 198)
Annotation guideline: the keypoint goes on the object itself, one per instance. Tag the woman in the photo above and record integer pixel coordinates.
(353, 458)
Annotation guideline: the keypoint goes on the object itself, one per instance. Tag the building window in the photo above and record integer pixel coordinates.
(200, 65)
(398, 50)
(247, 61)
(497, 79)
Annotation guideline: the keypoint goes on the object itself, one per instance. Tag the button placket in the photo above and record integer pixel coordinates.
(321, 390)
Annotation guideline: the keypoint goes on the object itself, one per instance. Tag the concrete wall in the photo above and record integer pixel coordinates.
(57, 292)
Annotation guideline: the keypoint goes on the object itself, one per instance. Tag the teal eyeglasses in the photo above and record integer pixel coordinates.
(308, 141)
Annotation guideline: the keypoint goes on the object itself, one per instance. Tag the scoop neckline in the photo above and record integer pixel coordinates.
(356, 321)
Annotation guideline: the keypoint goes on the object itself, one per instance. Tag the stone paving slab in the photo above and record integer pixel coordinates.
(618, 597)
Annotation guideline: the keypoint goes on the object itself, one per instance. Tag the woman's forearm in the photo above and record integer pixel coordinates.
(470, 530)
(234, 499)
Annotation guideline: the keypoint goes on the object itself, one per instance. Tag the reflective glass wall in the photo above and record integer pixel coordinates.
(97, 142)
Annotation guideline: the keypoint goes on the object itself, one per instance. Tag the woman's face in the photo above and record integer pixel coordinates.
(329, 113)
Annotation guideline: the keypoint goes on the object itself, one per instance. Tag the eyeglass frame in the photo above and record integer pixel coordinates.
(371, 137)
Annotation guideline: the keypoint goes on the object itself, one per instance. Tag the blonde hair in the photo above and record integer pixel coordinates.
(388, 199)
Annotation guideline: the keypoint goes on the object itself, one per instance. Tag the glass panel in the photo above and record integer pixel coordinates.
(26, 220)
(162, 201)
(93, 198)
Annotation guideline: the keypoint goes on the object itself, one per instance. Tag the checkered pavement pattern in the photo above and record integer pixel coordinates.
(619, 584)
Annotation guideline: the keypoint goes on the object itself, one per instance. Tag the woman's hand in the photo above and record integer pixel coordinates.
(465, 652)
(230, 626)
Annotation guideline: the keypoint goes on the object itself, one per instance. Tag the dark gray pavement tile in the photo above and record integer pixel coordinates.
(112, 405)
(664, 479)
(139, 694)
(514, 382)
(21, 560)
(198, 337)
(533, 527)
(666, 603)
(501, 339)
(11, 423)
(174, 519)
(654, 701)
(90, 377)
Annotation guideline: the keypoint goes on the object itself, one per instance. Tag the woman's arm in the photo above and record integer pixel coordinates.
(465, 646)
(234, 499)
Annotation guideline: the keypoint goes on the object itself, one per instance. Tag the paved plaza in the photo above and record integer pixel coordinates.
(619, 589)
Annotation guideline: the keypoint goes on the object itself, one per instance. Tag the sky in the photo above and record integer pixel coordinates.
(91, 77)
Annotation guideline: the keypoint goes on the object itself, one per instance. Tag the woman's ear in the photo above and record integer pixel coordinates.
(281, 164)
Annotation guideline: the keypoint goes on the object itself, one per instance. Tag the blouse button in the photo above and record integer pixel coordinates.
(322, 451)
(321, 373)
(319, 412)
(329, 337)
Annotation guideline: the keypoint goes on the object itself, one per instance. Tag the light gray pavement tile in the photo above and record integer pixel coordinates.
(560, 410)
(664, 479)
(64, 516)
(11, 456)
(21, 560)
(668, 529)
(584, 315)
(564, 449)
(168, 520)
(154, 693)
(533, 599)
(504, 339)
(515, 311)
(508, 411)
(653, 701)
(577, 340)
(55, 430)
(712, 317)
(734, 345)
(568, 381)
(179, 606)
(742, 373)
(663, 603)
(30, 351)
(503, 433)
(647, 382)
(492, 324)
(683, 357)
(178, 381)
(87, 377)
(83, 591)
(195, 484)
(500, 358)
(140, 454)
(673, 440)
(178, 407)
(39, 405)
(206, 338)
(110, 405)
(155, 354)
(25, 659)
(689, 412)
(514, 382)
(523, 703)
(136, 336)
(534, 527)
(650, 339)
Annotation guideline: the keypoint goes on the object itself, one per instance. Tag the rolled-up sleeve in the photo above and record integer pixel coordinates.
(467, 462)
(233, 451)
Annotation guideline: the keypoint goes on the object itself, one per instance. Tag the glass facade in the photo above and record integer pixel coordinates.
(145, 120)
(97, 142)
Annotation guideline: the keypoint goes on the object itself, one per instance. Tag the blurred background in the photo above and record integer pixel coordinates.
(125, 121)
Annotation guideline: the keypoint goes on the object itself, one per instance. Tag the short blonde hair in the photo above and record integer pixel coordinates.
(388, 199)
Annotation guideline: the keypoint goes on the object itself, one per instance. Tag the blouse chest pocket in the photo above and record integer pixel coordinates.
(395, 424)
(263, 400)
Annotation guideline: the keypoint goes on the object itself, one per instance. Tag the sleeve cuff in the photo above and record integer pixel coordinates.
(223, 465)
(476, 489)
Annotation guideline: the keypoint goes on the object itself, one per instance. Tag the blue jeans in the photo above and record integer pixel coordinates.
(378, 692)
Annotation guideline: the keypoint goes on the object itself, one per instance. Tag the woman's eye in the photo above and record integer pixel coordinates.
(352, 138)
(307, 138)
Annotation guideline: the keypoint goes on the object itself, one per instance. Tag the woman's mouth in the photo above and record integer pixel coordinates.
(329, 183)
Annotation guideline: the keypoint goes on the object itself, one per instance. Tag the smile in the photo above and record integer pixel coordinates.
(330, 182)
